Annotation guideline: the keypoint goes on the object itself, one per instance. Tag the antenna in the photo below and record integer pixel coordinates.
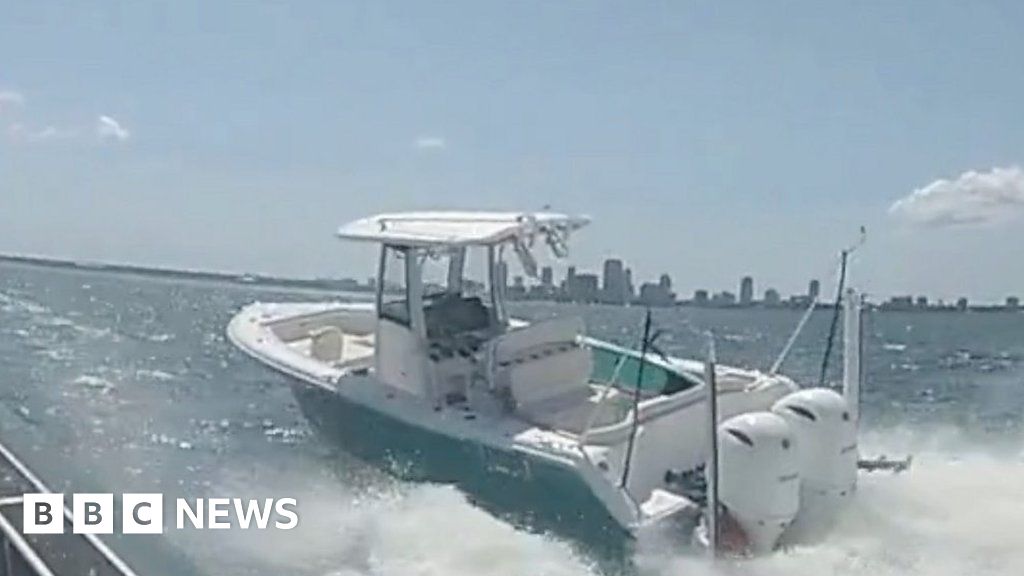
(644, 345)
(813, 304)
(844, 257)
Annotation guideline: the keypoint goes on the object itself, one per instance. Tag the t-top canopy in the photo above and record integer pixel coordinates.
(459, 228)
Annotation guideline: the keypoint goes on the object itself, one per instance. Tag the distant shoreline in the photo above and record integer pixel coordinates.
(352, 285)
(326, 284)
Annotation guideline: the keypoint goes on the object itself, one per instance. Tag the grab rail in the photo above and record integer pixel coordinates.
(22, 545)
(11, 536)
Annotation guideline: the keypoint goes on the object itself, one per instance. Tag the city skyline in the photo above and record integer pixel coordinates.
(543, 288)
(615, 287)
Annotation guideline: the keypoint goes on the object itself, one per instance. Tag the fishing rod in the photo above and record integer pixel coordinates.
(647, 345)
(636, 399)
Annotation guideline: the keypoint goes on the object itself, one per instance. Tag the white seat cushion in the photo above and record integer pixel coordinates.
(549, 332)
(326, 344)
(550, 382)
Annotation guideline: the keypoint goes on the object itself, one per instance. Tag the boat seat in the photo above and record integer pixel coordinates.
(550, 385)
(326, 344)
(560, 332)
(356, 349)
(452, 314)
(544, 368)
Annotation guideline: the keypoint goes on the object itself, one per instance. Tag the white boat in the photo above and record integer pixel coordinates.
(538, 420)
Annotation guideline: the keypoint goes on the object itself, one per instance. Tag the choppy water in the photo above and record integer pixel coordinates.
(120, 384)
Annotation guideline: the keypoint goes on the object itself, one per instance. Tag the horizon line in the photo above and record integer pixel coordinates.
(223, 274)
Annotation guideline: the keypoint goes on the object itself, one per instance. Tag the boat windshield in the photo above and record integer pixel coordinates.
(657, 380)
(394, 300)
(456, 298)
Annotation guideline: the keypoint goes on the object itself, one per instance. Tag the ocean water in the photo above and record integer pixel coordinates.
(120, 383)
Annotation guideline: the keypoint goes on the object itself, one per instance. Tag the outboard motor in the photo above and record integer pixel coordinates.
(826, 442)
(759, 482)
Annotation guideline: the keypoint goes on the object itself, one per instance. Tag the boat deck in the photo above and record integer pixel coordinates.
(45, 554)
(354, 349)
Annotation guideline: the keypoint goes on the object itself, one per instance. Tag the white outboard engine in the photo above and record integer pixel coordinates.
(759, 482)
(826, 442)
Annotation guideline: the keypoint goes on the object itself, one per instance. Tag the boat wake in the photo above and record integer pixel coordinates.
(956, 512)
(42, 318)
(387, 529)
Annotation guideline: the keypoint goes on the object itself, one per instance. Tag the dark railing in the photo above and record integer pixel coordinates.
(63, 554)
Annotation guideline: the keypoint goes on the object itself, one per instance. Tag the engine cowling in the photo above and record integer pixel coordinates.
(826, 442)
(759, 481)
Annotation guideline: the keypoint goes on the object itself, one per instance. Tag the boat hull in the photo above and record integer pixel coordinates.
(526, 490)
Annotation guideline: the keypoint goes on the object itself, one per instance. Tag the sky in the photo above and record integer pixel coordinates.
(708, 140)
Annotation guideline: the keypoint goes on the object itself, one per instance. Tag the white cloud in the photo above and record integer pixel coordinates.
(20, 133)
(972, 199)
(10, 99)
(106, 127)
(109, 129)
(430, 143)
(52, 133)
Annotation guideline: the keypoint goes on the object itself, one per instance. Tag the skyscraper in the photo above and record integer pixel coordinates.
(813, 289)
(547, 276)
(771, 297)
(655, 295)
(700, 297)
(746, 291)
(614, 282)
(584, 288)
(659, 294)
(569, 282)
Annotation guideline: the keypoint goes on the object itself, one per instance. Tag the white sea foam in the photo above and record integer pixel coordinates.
(58, 321)
(93, 332)
(958, 511)
(167, 440)
(426, 530)
(58, 354)
(12, 303)
(44, 316)
(94, 382)
(159, 375)
(31, 307)
(285, 435)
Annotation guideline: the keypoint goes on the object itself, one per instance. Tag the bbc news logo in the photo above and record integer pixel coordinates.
(144, 513)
